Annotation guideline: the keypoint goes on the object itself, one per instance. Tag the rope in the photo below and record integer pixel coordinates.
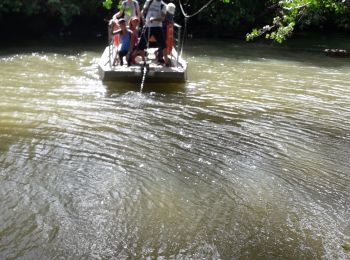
(183, 36)
(146, 37)
(194, 14)
(186, 20)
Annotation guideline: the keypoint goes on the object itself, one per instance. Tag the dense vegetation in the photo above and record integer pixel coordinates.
(273, 19)
(332, 14)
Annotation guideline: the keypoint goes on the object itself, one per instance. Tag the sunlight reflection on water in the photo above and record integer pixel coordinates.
(249, 159)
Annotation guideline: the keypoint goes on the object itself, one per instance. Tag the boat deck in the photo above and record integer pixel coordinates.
(155, 72)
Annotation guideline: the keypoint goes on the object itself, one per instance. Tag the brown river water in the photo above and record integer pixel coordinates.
(249, 159)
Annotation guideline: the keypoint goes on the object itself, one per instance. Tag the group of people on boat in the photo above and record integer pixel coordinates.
(157, 17)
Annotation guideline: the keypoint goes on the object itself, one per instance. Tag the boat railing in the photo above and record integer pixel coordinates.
(177, 43)
(111, 45)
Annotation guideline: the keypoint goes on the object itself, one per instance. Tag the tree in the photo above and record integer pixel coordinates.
(288, 14)
(293, 12)
(65, 10)
(221, 16)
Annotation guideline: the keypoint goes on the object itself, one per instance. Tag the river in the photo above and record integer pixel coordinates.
(247, 160)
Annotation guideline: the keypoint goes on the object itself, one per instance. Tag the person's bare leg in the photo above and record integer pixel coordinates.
(115, 59)
(142, 54)
(166, 59)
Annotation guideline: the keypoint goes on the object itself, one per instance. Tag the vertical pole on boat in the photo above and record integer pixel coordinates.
(109, 44)
(178, 45)
(148, 35)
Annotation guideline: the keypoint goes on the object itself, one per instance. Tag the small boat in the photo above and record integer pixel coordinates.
(153, 71)
(337, 53)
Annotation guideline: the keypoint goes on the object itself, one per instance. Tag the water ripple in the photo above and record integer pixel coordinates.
(248, 160)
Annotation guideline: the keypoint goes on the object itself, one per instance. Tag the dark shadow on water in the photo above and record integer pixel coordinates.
(114, 87)
(57, 47)
(153, 94)
(54, 43)
(308, 50)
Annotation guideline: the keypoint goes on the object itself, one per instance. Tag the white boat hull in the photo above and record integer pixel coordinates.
(176, 73)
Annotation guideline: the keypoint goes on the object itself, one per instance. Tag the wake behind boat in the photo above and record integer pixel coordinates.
(176, 72)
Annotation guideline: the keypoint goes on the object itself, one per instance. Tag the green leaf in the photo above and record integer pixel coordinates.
(108, 4)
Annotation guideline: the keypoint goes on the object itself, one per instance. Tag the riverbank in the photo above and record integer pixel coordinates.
(312, 41)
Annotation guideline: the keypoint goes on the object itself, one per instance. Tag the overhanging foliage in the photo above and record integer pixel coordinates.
(281, 16)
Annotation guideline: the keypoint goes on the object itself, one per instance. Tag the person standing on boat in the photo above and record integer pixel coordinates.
(155, 11)
(126, 43)
(168, 31)
(128, 9)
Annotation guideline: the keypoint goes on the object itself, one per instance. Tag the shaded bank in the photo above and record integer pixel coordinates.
(21, 29)
(232, 20)
(313, 42)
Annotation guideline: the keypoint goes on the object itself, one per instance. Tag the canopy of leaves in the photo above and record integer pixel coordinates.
(291, 13)
(62, 9)
(273, 19)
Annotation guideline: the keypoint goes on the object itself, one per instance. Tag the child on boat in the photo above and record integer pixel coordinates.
(133, 26)
(125, 47)
(128, 9)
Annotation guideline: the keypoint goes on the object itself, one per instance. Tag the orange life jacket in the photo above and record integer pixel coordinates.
(115, 27)
(169, 38)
